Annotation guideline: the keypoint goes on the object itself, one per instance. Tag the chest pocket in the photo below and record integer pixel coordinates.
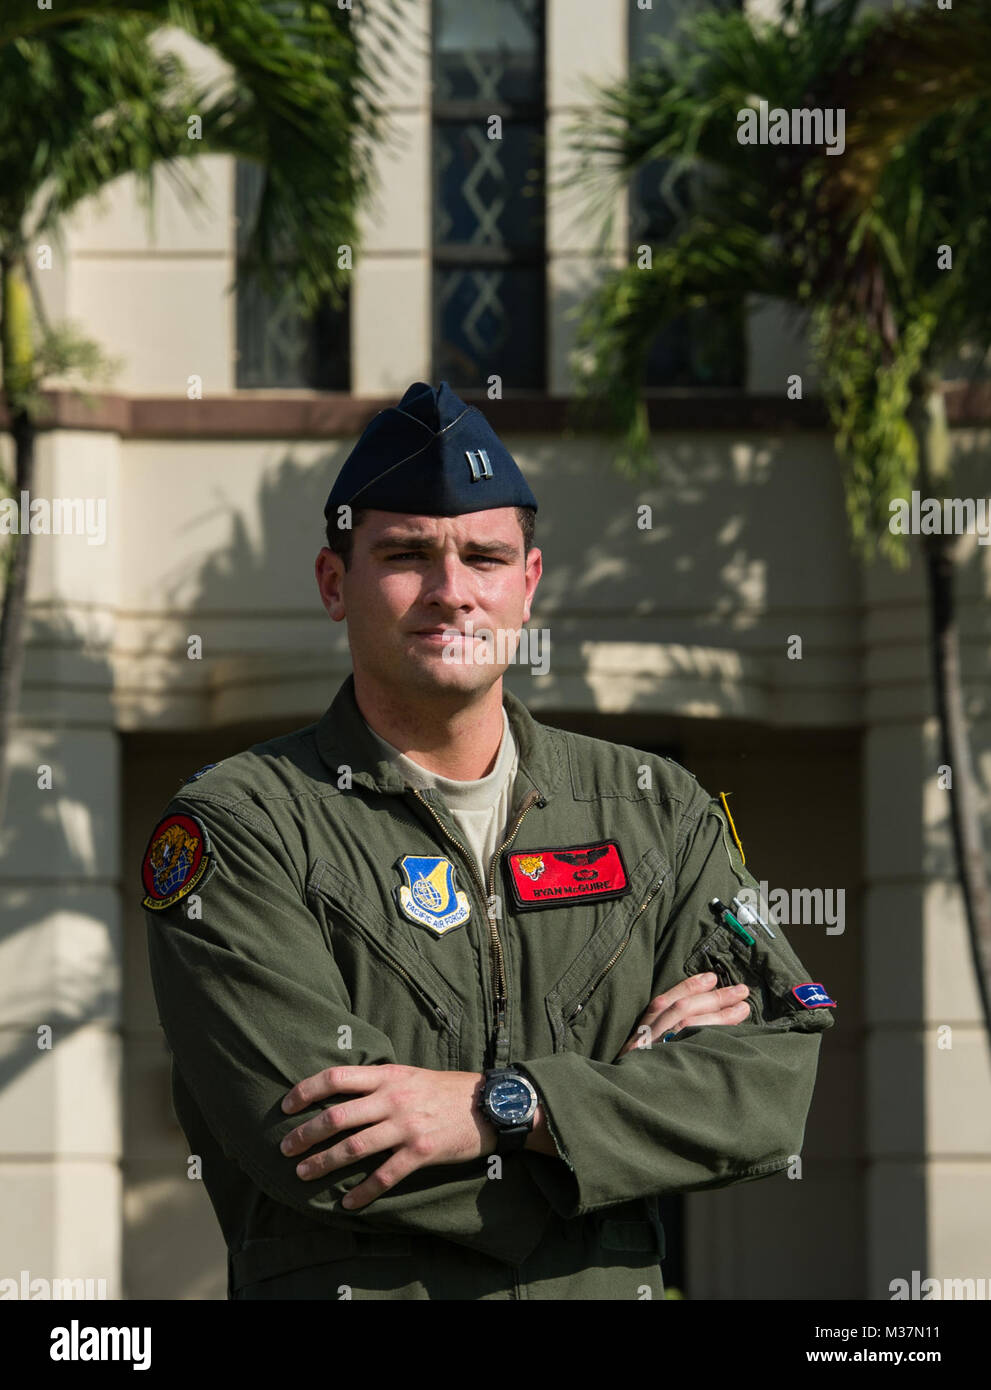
(619, 955)
(389, 983)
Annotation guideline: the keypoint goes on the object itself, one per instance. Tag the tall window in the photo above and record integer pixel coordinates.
(275, 345)
(488, 193)
(706, 346)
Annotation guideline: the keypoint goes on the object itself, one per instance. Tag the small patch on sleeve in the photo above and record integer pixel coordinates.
(195, 776)
(177, 859)
(813, 996)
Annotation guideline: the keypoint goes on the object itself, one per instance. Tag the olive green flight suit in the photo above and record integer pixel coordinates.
(287, 950)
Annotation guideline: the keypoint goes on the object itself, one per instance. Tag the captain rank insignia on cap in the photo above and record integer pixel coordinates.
(176, 860)
(429, 896)
(478, 462)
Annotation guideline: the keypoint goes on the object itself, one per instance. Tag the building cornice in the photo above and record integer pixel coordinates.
(332, 414)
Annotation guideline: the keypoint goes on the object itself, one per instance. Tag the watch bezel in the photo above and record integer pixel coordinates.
(503, 1076)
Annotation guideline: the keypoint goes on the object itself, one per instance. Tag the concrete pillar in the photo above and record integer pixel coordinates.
(926, 1055)
(60, 985)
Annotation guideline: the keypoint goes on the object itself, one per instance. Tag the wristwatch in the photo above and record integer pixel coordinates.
(510, 1102)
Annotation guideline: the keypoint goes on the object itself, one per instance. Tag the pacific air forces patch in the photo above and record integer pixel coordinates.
(429, 896)
(177, 859)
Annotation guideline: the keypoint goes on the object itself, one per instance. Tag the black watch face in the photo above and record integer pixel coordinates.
(510, 1099)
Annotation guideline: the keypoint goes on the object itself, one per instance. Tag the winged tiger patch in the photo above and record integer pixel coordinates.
(566, 874)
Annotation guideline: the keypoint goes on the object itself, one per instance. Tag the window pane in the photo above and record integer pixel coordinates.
(275, 345)
(488, 192)
(489, 320)
(489, 51)
(706, 346)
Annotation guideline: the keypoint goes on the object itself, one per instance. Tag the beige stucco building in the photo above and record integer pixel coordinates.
(680, 637)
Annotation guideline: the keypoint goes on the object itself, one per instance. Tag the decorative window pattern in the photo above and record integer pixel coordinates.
(706, 346)
(489, 259)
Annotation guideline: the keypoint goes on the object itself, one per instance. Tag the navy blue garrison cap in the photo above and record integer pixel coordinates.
(431, 455)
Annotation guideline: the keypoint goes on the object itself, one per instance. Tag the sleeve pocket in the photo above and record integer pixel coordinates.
(769, 973)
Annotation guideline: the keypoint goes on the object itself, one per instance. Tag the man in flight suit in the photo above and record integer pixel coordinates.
(449, 1000)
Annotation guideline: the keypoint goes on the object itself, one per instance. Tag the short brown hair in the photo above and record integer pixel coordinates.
(340, 539)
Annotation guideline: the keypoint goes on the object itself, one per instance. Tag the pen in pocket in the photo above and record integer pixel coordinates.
(728, 920)
(750, 916)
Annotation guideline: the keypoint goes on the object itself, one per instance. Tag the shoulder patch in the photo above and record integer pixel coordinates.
(813, 996)
(177, 859)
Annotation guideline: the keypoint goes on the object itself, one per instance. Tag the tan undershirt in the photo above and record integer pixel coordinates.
(480, 808)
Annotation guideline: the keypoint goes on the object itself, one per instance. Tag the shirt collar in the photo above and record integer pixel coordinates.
(344, 740)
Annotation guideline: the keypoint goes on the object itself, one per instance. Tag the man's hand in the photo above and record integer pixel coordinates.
(688, 1004)
(427, 1117)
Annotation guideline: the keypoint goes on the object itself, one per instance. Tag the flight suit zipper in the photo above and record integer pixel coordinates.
(501, 990)
(616, 954)
(415, 985)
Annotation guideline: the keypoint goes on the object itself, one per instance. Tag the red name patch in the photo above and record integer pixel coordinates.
(555, 877)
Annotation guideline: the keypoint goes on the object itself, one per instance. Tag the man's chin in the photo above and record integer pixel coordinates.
(433, 673)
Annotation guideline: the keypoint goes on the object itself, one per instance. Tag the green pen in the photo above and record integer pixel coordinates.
(728, 920)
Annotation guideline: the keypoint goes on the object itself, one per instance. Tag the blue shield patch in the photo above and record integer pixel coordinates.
(429, 897)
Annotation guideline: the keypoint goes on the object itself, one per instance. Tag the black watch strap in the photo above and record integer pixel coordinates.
(510, 1141)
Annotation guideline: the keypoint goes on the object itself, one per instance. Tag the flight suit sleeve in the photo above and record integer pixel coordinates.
(251, 1001)
(715, 1105)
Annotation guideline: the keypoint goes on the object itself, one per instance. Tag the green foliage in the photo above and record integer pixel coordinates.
(867, 397)
(712, 265)
(66, 352)
(86, 97)
(851, 239)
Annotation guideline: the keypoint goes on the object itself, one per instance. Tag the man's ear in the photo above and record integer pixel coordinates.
(329, 571)
(534, 569)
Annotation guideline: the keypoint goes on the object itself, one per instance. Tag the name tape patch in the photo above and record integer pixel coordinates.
(813, 995)
(176, 860)
(570, 873)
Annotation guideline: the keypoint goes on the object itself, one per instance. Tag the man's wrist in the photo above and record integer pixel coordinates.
(539, 1139)
(488, 1133)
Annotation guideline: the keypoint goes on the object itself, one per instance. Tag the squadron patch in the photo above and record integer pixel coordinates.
(429, 896)
(556, 877)
(813, 996)
(176, 860)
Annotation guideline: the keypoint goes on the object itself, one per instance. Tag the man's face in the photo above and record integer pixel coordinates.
(413, 578)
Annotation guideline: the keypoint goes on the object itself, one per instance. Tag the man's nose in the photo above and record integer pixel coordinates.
(447, 582)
